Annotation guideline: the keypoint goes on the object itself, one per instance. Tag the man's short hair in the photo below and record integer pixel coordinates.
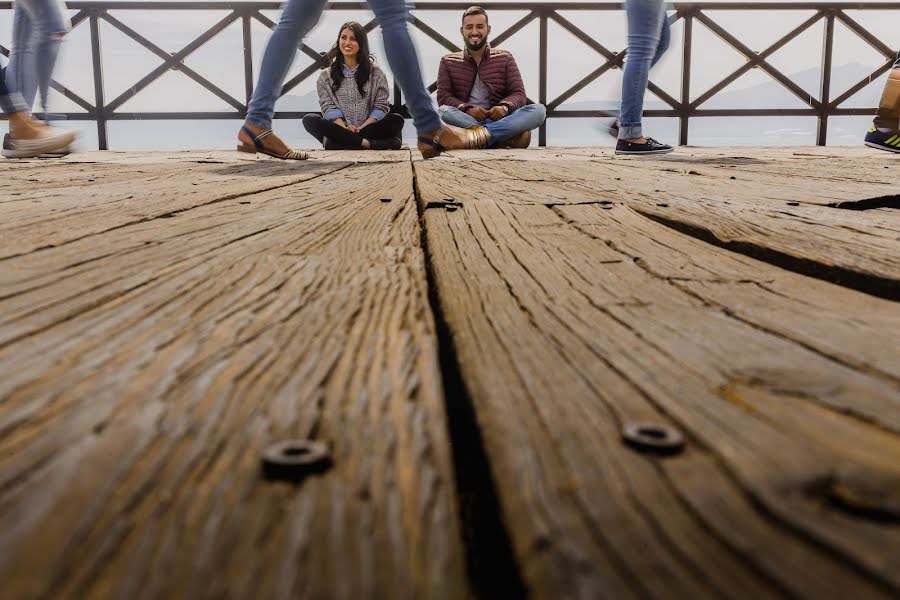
(475, 10)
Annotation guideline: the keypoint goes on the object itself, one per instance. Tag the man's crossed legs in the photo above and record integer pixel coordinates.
(515, 124)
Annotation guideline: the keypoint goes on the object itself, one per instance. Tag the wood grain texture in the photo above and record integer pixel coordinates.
(784, 220)
(164, 317)
(570, 319)
(147, 364)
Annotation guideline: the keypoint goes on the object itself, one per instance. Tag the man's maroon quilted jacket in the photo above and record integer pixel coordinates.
(498, 71)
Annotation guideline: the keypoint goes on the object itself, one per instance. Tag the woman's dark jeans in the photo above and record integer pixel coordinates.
(388, 127)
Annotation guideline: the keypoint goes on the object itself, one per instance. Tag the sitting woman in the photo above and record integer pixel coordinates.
(353, 96)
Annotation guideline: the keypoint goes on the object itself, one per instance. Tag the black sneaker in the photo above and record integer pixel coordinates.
(883, 140)
(611, 127)
(651, 146)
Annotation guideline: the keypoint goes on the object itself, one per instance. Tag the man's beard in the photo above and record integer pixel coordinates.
(478, 46)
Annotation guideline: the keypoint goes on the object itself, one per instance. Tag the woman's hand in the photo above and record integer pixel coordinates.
(352, 128)
(368, 122)
(340, 121)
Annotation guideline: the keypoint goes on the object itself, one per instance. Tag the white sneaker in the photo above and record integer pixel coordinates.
(49, 141)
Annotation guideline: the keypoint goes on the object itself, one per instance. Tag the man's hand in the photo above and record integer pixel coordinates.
(477, 113)
(497, 113)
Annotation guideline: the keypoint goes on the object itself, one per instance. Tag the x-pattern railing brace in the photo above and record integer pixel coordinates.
(93, 12)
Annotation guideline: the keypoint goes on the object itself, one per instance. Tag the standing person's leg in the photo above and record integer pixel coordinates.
(38, 29)
(27, 136)
(297, 18)
(11, 102)
(665, 35)
(884, 133)
(20, 71)
(646, 27)
(404, 61)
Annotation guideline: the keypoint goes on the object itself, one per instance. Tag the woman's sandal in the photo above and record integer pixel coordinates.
(477, 136)
(258, 147)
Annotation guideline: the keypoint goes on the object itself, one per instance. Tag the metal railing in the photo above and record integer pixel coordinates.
(90, 13)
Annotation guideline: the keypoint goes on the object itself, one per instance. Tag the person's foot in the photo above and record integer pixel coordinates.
(523, 140)
(648, 146)
(613, 129)
(883, 140)
(329, 145)
(46, 141)
(257, 139)
(55, 154)
(450, 137)
(609, 123)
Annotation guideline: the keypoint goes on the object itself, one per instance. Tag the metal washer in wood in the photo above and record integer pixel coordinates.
(294, 459)
(648, 436)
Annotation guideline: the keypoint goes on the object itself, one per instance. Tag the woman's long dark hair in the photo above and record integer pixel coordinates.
(363, 58)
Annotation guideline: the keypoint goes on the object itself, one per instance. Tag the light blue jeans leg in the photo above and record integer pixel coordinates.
(520, 120)
(38, 29)
(528, 117)
(10, 102)
(453, 116)
(404, 61)
(297, 18)
(648, 38)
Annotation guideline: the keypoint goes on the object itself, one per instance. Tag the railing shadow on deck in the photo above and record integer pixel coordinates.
(90, 13)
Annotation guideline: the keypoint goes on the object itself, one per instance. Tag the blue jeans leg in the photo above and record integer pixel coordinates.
(648, 38)
(404, 61)
(10, 102)
(38, 28)
(520, 120)
(453, 116)
(297, 18)
(526, 118)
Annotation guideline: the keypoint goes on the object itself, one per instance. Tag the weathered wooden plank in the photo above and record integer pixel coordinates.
(813, 313)
(159, 358)
(62, 205)
(854, 247)
(563, 334)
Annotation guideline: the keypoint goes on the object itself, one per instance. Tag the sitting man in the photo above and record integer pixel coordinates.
(884, 133)
(481, 86)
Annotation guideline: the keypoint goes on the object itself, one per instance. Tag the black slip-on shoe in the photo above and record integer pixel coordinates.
(651, 146)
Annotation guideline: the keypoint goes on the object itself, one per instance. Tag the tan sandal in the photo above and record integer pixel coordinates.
(258, 147)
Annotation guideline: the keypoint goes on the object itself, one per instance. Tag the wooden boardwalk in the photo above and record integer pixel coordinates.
(469, 336)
